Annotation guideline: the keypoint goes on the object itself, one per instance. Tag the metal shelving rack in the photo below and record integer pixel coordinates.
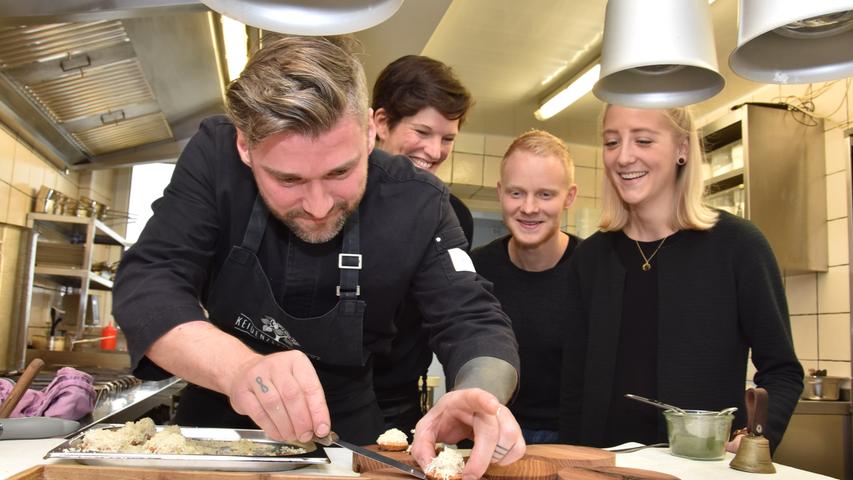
(777, 180)
(50, 229)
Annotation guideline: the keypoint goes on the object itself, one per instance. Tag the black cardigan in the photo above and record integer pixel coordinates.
(719, 294)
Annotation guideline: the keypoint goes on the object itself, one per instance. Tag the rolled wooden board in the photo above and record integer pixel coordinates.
(363, 464)
(541, 462)
(571, 455)
(524, 469)
(611, 473)
(386, 473)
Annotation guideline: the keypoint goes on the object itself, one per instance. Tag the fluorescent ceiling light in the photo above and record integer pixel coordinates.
(569, 94)
(236, 46)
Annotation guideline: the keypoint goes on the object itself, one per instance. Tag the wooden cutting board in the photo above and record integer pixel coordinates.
(387, 473)
(560, 455)
(526, 468)
(571, 455)
(363, 464)
(612, 473)
(60, 471)
(541, 462)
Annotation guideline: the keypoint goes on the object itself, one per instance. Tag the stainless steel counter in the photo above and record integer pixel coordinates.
(818, 438)
(822, 407)
(129, 404)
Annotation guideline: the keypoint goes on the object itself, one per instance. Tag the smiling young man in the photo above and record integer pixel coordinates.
(277, 257)
(529, 271)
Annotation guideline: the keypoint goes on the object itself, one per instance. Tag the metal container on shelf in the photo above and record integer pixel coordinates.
(821, 387)
(46, 200)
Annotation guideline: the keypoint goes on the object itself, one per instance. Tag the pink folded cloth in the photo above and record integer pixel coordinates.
(70, 396)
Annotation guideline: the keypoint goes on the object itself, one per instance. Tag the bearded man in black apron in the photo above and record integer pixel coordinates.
(279, 253)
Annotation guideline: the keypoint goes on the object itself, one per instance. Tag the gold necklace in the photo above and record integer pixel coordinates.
(646, 265)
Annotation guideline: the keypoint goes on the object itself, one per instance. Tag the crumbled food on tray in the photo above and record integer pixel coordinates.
(169, 440)
(130, 435)
(143, 437)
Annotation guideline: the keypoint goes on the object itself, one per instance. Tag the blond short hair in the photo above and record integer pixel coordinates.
(301, 85)
(543, 144)
(690, 211)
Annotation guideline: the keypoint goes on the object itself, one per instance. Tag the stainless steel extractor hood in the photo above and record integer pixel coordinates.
(104, 83)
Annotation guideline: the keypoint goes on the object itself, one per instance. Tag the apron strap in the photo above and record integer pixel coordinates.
(257, 225)
(349, 260)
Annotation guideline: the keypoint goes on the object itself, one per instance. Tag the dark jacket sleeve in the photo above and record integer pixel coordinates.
(462, 316)
(766, 324)
(160, 278)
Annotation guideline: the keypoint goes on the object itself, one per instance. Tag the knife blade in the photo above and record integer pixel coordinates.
(333, 439)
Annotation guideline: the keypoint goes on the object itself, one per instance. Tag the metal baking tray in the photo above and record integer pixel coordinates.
(314, 455)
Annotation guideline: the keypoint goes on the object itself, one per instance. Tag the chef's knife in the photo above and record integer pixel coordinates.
(333, 439)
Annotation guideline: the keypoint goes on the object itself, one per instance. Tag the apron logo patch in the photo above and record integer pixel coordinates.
(270, 331)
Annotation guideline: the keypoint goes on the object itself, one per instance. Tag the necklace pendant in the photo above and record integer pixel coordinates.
(646, 267)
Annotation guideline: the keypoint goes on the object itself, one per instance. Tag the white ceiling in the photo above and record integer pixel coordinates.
(511, 54)
(504, 50)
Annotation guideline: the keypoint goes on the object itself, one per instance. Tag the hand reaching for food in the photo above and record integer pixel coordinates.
(281, 393)
(475, 414)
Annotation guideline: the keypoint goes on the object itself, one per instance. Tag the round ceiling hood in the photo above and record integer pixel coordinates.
(658, 57)
(794, 41)
(307, 17)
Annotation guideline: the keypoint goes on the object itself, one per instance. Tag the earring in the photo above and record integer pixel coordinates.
(681, 161)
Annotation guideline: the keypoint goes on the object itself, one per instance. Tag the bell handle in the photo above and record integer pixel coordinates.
(756, 410)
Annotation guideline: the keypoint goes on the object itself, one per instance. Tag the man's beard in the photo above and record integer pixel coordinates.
(328, 231)
(341, 210)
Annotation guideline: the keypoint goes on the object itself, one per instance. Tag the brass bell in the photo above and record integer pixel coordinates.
(753, 454)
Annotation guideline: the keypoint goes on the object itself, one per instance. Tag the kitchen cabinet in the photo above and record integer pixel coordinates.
(766, 164)
(60, 253)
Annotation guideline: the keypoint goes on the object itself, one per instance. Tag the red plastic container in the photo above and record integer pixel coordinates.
(108, 343)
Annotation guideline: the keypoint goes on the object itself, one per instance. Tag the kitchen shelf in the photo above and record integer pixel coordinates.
(70, 229)
(73, 277)
(724, 181)
(772, 172)
(59, 254)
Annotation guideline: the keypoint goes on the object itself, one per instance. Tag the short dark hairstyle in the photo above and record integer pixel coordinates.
(414, 82)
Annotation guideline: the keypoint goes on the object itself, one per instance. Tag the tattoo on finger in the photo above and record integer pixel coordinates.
(499, 452)
(260, 382)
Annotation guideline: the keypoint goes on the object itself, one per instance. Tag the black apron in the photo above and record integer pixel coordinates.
(242, 304)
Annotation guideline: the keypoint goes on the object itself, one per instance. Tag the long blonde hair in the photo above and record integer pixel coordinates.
(690, 212)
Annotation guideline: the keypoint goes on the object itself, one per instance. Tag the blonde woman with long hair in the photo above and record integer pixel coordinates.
(670, 296)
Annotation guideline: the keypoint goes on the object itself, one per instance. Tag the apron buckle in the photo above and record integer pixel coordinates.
(349, 261)
(357, 290)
